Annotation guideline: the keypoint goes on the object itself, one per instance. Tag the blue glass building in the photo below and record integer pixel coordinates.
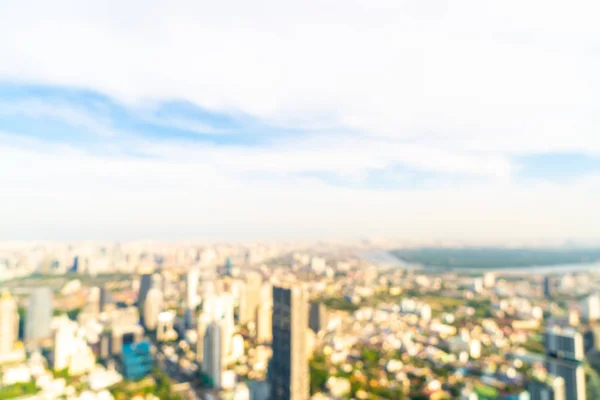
(137, 360)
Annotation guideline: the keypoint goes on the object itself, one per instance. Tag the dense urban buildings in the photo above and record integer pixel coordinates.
(39, 314)
(294, 321)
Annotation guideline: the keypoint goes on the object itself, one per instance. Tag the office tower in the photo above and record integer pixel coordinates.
(39, 314)
(264, 315)
(203, 321)
(191, 287)
(288, 372)
(220, 308)
(317, 320)
(145, 286)
(564, 358)
(93, 300)
(9, 323)
(591, 338)
(105, 298)
(71, 350)
(251, 297)
(64, 337)
(137, 360)
(590, 307)
(548, 286)
(213, 356)
(552, 388)
(152, 308)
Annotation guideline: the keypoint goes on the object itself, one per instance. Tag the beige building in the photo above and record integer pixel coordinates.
(9, 323)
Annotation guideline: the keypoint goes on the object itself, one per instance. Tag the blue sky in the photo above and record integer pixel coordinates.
(433, 126)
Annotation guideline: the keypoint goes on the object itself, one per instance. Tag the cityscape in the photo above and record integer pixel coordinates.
(299, 200)
(316, 320)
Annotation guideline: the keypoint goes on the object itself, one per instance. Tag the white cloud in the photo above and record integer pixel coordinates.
(471, 70)
(455, 87)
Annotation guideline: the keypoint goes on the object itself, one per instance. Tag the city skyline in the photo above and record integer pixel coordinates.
(474, 121)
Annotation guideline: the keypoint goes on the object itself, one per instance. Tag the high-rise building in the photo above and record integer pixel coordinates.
(105, 298)
(191, 288)
(591, 307)
(264, 315)
(549, 285)
(145, 286)
(39, 314)
(288, 372)
(251, 297)
(564, 358)
(221, 310)
(93, 300)
(203, 321)
(152, 308)
(317, 319)
(64, 337)
(552, 388)
(9, 323)
(212, 365)
(71, 350)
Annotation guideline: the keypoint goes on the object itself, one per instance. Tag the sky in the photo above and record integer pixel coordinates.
(420, 120)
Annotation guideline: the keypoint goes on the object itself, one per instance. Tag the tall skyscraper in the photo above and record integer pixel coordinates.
(564, 359)
(288, 372)
(39, 314)
(145, 286)
(213, 356)
(64, 336)
(220, 308)
(548, 286)
(203, 321)
(105, 297)
(251, 297)
(191, 288)
(152, 308)
(264, 316)
(9, 323)
(317, 320)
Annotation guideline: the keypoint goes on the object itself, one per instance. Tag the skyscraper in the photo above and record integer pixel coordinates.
(264, 315)
(145, 286)
(251, 297)
(64, 336)
(564, 358)
(9, 323)
(548, 286)
(152, 308)
(317, 317)
(191, 287)
(39, 314)
(213, 356)
(590, 307)
(203, 321)
(105, 297)
(288, 372)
